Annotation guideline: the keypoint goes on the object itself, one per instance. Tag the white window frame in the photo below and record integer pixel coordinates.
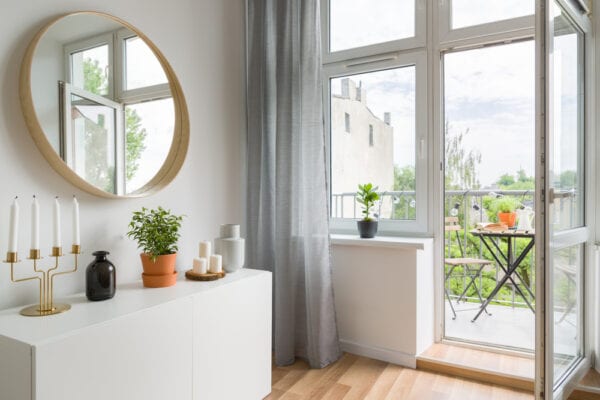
(90, 43)
(409, 43)
(418, 59)
(514, 28)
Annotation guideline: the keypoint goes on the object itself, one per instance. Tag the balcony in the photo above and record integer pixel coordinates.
(510, 322)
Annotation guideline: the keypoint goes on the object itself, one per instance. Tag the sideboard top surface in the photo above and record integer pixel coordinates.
(129, 298)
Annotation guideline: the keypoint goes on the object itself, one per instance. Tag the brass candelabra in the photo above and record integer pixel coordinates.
(46, 305)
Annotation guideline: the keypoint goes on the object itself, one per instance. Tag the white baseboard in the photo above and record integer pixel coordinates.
(378, 353)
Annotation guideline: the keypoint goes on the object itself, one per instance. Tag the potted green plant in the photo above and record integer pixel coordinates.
(156, 232)
(367, 196)
(505, 210)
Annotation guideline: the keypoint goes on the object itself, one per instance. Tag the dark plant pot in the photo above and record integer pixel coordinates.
(367, 229)
(100, 278)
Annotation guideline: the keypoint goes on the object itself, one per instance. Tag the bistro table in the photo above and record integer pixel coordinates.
(506, 261)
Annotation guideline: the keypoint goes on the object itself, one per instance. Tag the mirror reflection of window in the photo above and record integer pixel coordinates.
(148, 136)
(93, 132)
(89, 69)
(142, 69)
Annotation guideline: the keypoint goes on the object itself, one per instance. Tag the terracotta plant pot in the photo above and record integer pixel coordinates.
(159, 273)
(508, 218)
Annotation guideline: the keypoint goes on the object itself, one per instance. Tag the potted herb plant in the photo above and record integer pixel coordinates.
(367, 196)
(505, 210)
(156, 232)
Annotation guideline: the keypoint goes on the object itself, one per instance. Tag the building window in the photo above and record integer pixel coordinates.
(347, 122)
(370, 135)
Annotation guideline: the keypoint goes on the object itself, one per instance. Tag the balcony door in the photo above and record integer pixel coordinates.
(562, 219)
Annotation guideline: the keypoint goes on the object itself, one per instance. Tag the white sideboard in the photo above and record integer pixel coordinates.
(195, 340)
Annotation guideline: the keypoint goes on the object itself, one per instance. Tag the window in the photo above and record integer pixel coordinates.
(357, 23)
(473, 12)
(347, 122)
(120, 104)
(385, 101)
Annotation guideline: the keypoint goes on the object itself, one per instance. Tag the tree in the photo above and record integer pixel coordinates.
(95, 81)
(136, 137)
(461, 166)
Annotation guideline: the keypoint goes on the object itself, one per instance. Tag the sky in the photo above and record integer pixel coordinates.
(489, 91)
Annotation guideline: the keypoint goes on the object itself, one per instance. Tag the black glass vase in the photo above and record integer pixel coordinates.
(100, 278)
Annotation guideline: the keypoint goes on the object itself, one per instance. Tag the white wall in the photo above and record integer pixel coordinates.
(384, 297)
(204, 42)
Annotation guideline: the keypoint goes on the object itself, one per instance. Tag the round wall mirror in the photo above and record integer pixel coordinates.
(104, 106)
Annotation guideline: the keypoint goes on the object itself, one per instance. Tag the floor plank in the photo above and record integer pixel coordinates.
(355, 377)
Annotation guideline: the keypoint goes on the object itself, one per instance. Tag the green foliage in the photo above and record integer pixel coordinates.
(367, 196)
(135, 142)
(522, 181)
(156, 231)
(404, 180)
(94, 79)
(504, 204)
(568, 180)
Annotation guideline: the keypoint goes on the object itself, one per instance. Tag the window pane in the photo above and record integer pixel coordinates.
(93, 130)
(355, 23)
(567, 287)
(142, 66)
(148, 134)
(89, 70)
(567, 148)
(475, 12)
(373, 140)
(490, 118)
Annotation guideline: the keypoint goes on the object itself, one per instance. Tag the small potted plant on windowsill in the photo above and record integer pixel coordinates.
(156, 232)
(505, 208)
(367, 196)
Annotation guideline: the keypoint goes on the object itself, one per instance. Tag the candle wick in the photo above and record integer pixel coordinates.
(16, 197)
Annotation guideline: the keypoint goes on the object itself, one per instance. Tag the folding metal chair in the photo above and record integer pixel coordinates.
(473, 266)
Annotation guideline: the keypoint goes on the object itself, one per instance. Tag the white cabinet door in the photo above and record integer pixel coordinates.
(232, 341)
(144, 356)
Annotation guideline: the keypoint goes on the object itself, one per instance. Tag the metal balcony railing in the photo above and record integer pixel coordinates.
(468, 205)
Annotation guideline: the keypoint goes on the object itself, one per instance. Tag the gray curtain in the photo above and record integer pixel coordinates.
(287, 188)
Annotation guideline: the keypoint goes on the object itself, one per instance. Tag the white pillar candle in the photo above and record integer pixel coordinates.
(205, 249)
(215, 263)
(76, 237)
(35, 224)
(13, 227)
(200, 265)
(56, 239)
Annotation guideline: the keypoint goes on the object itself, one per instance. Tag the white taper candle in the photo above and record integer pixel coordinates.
(56, 239)
(35, 224)
(13, 227)
(76, 237)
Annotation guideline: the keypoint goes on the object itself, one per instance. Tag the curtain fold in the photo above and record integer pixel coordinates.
(287, 208)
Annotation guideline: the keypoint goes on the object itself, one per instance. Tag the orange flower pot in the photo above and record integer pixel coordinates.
(509, 219)
(159, 273)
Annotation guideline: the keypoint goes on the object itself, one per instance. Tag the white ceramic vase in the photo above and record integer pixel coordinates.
(231, 247)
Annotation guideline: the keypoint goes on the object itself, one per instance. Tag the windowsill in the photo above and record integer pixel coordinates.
(381, 241)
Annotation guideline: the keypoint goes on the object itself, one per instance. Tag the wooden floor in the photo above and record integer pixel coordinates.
(503, 369)
(355, 377)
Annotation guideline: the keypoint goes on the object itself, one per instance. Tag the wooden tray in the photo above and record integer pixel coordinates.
(209, 276)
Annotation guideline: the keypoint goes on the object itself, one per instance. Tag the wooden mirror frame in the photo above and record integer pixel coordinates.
(181, 131)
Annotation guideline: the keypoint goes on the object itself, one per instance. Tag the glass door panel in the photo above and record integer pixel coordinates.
(565, 220)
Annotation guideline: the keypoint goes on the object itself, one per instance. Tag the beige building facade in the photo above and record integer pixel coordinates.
(362, 150)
